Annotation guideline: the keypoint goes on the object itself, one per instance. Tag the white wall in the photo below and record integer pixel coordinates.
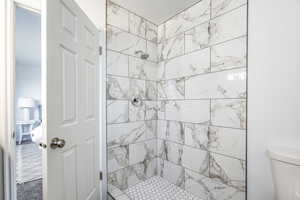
(28, 84)
(274, 79)
(95, 10)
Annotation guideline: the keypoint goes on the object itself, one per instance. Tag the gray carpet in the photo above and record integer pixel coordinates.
(30, 190)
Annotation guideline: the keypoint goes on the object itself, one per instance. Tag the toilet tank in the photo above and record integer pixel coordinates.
(285, 165)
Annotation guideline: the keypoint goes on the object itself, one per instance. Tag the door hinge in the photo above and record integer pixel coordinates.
(100, 176)
(100, 50)
(13, 135)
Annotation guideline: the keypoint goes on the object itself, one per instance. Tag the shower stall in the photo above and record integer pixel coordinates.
(176, 102)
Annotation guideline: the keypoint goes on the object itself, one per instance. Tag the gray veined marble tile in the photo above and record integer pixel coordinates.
(137, 25)
(210, 189)
(120, 180)
(188, 65)
(197, 38)
(117, 16)
(126, 133)
(196, 184)
(142, 69)
(170, 151)
(151, 126)
(152, 50)
(143, 170)
(229, 171)
(229, 55)
(193, 111)
(122, 197)
(118, 158)
(221, 6)
(171, 172)
(151, 32)
(124, 42)
(171, 89)
(136, 113)
(117, 64)
(200, 165)
(117, 88)
(171, 48)
(231, 142)
(161, 109)
(229, 113)
(196, 135)
(151, 110)
(151, 90)
(137, 88)
(171, 131)
(229, 26)
(117, 111)
(224, 84)
(140, 152)
(189, 18)
(161, 33)
(161, 75)
(112, 189)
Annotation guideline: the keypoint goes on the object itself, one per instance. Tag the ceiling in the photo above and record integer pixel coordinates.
(28, 38)
(157, 11)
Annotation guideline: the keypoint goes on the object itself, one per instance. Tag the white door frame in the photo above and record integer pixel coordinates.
(102, 116)
(7, 98)
(7, 92)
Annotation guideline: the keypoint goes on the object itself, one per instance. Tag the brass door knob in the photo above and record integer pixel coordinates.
(57, 143)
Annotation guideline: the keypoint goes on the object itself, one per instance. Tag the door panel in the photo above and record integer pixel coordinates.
(72, 103)
(69, 87)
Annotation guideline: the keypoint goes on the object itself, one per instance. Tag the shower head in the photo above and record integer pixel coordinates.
(144, 56)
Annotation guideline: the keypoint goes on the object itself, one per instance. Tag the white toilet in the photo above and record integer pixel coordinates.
(285, 163)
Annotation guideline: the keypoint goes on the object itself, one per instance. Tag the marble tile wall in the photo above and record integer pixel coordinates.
(191, 125)
(202, 91)
(131, 130)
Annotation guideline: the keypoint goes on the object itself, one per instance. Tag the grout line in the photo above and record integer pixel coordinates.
(211, 18)
(206, 150)
(204, 124)
(176, 78)
(129, 77)
(203, 99)
(132, 56)
(131, 122)
(229, 11)
(129, 32)
(133, 143)
(247, 85)
(196, 123)
(133, 12)
(210, 111)
(131, 165)
(204, 48)
(205, 73)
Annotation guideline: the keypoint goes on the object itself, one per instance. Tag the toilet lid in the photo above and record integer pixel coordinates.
(285, 154)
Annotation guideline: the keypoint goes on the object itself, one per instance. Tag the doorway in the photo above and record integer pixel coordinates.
(69, 104)
(28, 107)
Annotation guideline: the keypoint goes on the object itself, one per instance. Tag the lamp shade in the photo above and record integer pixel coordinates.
(26, 102)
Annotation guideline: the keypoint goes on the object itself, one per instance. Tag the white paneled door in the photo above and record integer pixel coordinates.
(71, 96)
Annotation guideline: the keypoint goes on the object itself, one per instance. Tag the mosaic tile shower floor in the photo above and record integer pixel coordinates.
(156, 188)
